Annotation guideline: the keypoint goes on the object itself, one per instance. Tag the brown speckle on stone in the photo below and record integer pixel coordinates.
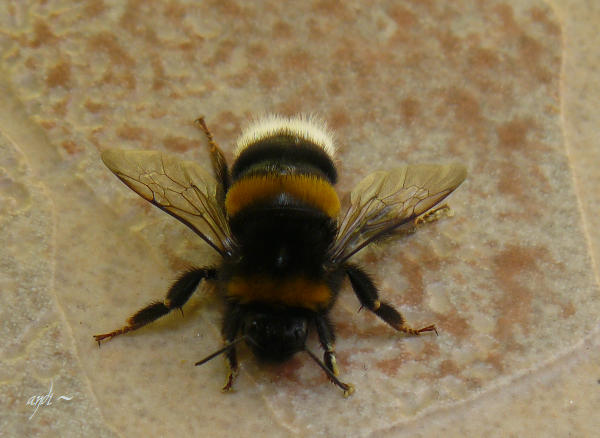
(179, 144)
(59, 75)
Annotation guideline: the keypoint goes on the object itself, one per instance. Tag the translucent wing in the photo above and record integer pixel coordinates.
(384, 201)
(181, 188)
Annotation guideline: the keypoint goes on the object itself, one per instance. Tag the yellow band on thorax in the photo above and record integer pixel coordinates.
(285, 292)
(310, 189)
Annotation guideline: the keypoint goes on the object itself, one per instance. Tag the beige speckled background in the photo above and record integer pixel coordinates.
(511, 89)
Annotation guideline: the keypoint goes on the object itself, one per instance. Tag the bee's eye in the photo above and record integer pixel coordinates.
(299, 333)
(253, 328)
(283, 257)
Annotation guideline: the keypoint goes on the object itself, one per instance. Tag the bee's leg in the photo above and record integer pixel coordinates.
(329, 364)
(218, 161)
(327, 340)
(431, 216)
(434, 214)
(179, 293)
(367, 294)
(229, 330)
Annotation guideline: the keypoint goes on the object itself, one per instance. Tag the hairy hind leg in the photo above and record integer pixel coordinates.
(218, 161)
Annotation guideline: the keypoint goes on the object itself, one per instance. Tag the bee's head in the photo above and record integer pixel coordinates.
(275, 336)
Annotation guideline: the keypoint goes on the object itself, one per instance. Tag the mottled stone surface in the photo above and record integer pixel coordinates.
(506, 88)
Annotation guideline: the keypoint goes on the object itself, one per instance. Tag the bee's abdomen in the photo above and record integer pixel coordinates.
(284, 154)
(288, 189)
(282, 211)
(283, 170)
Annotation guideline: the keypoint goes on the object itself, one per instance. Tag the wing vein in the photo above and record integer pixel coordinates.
(384, 201)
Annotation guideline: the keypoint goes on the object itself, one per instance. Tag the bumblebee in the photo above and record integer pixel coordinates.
(285, 239)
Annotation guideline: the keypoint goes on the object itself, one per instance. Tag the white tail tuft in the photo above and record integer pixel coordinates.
(309, 128)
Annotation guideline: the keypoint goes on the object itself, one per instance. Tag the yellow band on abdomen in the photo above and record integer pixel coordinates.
(310, 189)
